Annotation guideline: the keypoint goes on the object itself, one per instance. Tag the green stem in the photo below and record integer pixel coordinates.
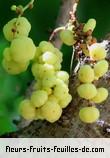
(56, 31)
(27, 6)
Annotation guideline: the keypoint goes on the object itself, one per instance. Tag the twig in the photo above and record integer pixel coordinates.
(55, 31)
(29, 5)
(73, 19)
(20, 9)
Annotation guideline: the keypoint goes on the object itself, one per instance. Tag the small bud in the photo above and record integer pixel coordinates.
(31, 6)
(19, 9)
(13, 7)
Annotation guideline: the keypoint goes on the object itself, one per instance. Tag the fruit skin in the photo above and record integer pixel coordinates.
(37, 54)
(57, 66)
(7, 54)
(38, 115)
(86, 74)
(102, 94)
(67, 37)
(65, 101)
(13, 67)
(37, 85)
(46, 47)
(100, 68)
(60, 91)
(90, 25)
(97, 51)
(51, 111)
(42, 70)
(26, 110)
(89, 114)
(16, 27)
(49, 58)
(39, 98)
(48, 90)
(62, 75)
(22, 49)
(48, 82)
(59, 54)
(87, 91)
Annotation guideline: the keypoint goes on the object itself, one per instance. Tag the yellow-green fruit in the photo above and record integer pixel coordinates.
(52, 98)
(57, 66)
(38, 85)
(86, 74)
(49, 58)
(100, 68)
(59, 54)
(48, 90)
(38, 115)
(51, 111)
(41, 71)
(89, 114)
(22, 49)
(59, 82)
(39, 98)
(13, 67)
(67, 37)
(102, 94)
(65, 101)
(37, 54)
(27, 111)
(7, 54)
(46, 47)
(97, 51)
(60, 91)
(16, 27)
(90, 25)
(87, 91)
(62, 75)
(13, 7)
(48, 82)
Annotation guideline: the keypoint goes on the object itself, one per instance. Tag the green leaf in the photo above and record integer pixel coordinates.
(6, 125)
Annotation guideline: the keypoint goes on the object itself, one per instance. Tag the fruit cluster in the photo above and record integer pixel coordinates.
(22, 49)
(51, 93)
(88, 73)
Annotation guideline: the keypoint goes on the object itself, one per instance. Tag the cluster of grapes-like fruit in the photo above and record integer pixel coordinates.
(88, 73)
(50, 92)
(22, 49)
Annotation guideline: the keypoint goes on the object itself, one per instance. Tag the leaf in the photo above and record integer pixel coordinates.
(6, 125)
